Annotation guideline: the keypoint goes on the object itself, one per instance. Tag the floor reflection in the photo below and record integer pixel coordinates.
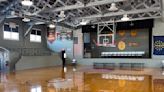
(84, 79)
(62, 84)
(37, 88)
(104, 82)
(159, 85)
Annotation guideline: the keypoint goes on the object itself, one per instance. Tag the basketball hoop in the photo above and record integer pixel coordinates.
(106, 38)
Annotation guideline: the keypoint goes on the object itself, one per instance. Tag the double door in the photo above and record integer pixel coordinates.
(3, 66)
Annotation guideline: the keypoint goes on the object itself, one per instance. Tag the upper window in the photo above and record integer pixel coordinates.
(36, 89)
(10, 31)
(35, 35)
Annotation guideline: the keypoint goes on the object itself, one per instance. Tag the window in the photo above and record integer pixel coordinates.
(36, 89)
(10, 31)
(35, 35)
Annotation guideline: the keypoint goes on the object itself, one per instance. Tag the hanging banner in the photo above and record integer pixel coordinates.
(51, 36)
(158, 45)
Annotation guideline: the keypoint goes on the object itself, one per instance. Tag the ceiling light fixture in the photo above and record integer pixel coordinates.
(84, 22)
(113, 7)
(125, 18)
(26, 19)
(12, 13)
(52, 25)
(62, 15)
(27, 3)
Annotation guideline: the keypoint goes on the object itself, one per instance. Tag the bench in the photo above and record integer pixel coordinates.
(125, 66)
(109, 66)
(122, 66)
(131, 66)
(98, 65)
(137, 66)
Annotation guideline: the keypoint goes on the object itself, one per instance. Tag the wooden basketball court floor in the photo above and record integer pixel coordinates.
(84, 79)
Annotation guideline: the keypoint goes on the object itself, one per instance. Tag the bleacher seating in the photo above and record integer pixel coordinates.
(137, 66)
(110, 66)
(125, 66)
(131, 66)
(122, 66)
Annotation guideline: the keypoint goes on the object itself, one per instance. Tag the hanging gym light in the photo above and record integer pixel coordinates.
(113, 7)
(27, 3)
(26, 19)
(62, 15)
(84, 22)
(52, 25)
(125, 17)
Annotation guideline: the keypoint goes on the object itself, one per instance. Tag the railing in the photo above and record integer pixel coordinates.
(132, 53)
(31, 51)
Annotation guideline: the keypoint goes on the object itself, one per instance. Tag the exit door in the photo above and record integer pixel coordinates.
(3, 66)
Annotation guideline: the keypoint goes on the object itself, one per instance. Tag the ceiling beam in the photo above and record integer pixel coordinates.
(93, 7)
(121, 13)
(162, 5)
(28, 30)
(11, 4)
(79, 6)
(134, 19)
(99, 11)
(47, 4)
(64, 6)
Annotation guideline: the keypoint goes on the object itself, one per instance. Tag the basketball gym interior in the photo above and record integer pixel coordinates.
(81, 45)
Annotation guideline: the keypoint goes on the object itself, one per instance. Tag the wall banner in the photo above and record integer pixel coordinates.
(158, 45)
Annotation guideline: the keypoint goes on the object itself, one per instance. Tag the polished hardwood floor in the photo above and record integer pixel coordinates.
(84, 79)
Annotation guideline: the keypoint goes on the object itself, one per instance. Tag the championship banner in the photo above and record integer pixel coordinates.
(158, 45)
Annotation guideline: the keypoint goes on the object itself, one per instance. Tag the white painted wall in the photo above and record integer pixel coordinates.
(78, 48)
(154, 62)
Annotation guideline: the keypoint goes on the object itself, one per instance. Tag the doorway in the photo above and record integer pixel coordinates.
(4, 59)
